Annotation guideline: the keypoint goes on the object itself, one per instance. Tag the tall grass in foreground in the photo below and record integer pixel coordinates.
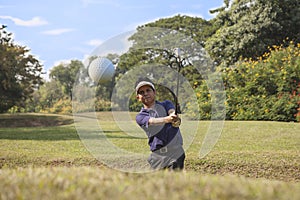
(95, 183)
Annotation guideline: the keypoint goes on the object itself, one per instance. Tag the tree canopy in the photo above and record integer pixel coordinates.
(154, 42)
(249, 27)
(66, 75)
(20, 72)
(255, 43)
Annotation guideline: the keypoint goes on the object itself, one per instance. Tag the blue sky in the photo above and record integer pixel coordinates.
(57, 31)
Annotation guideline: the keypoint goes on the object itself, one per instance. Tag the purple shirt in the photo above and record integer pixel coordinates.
(159, 135)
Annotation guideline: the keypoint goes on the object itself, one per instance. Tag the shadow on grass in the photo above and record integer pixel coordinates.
(34, 120)
(57, 133)
(49, 128)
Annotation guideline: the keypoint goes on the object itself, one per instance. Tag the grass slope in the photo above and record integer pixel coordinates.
(48, 161)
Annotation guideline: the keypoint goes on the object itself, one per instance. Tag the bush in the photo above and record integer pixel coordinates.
(62, 106)
(204, 103)
(267, 88)
(102, 105)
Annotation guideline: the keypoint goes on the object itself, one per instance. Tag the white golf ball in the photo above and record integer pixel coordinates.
(101, 70)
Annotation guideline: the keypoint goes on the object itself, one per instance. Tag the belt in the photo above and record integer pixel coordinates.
(167, 149)
(163, 150)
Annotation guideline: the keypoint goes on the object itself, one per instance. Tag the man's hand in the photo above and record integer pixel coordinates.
(176, 121)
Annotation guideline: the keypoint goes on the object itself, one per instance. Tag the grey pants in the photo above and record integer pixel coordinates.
(167, 158)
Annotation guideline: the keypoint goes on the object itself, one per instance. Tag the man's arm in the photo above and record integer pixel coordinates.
(160, 120)
(163, 120)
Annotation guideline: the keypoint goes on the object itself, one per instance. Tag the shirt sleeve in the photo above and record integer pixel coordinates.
(142, 119)
(168, 105)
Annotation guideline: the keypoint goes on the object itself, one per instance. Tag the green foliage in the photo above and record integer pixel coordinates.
(267, 89)
(204, 102)
(197, 28)
(248, 27)
(20, 73)
(260, 75)
(66, 75)
(55, 96)
(153, 40)
(153, 45)
(102, 104)
(16, 109)
(62, 106)
(45, 98)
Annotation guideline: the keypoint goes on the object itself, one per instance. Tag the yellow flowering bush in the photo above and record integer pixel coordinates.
(62, 106)
(267, 88)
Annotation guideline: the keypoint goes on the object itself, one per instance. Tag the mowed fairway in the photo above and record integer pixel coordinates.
(47, 160)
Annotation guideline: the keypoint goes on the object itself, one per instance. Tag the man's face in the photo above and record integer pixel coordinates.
(146, 95)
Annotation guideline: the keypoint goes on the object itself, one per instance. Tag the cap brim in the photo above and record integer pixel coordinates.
(143, 83)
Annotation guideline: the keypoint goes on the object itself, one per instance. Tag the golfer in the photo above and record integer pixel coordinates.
(156, 119)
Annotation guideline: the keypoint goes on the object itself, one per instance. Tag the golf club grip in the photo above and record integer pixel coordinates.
(177, 106)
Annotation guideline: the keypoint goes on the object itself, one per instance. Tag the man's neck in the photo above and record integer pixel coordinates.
(150, 106)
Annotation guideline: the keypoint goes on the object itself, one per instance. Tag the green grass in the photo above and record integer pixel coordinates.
(251, 160)
(97, 183)
(253, 149)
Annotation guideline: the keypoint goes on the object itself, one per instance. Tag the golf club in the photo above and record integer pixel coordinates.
(176, 62)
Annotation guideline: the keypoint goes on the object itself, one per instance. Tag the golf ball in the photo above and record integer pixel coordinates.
(101, 70)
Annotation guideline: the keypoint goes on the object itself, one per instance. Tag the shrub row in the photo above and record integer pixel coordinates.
(266, 88)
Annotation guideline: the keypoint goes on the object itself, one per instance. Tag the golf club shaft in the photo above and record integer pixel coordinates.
(177, 91)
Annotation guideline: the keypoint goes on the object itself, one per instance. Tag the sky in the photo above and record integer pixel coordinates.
(60, 31)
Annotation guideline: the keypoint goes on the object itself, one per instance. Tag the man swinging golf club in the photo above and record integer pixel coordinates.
(160, 122)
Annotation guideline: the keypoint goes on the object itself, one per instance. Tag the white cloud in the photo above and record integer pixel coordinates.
(35, 21)
(94, 42)
(57, 31)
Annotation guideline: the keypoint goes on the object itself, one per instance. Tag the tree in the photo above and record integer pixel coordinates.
(249, 27)
(20, 72)
(153, 46)
(66, 75)
(185, 32)
(47, 95)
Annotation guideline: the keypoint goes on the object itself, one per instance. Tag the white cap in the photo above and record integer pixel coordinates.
(143, 83)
